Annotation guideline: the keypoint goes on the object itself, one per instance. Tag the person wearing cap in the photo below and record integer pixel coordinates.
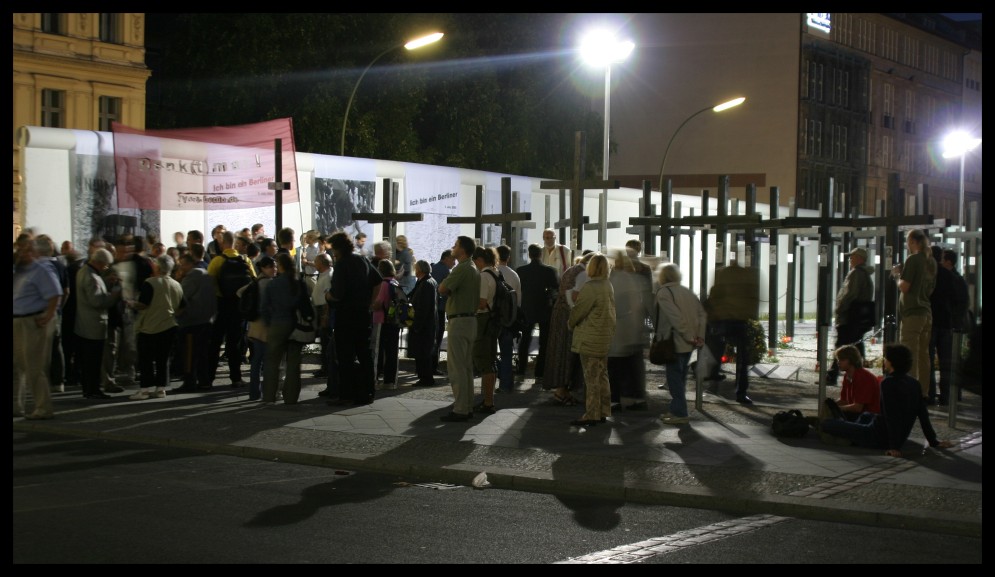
(856, 291)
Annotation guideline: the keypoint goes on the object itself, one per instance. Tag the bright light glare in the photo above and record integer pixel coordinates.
(419, 42)
(730, 104)
(959, 143)
(600, 48)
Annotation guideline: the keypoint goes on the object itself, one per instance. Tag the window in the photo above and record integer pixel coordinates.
(931, 59)
(841, 80)
(865, 35)
(813, 138)
(110, 110)
(51, 22)
(885, 152)
(888, 105)
(110, 28)
(839, 143)
(53, 108)
(815, 71)
(928, 110)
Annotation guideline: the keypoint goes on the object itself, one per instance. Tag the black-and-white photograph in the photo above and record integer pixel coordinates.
(335, 201)
(95, 210)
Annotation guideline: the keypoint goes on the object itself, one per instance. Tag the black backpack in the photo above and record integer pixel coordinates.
(234, 274)
(790, 424)
(248, 303)
(399, 310)
(505, 311)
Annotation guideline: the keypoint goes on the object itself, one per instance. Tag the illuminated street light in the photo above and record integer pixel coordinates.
(600, 48)
(719, 108)
(412, 45)
(959, 143)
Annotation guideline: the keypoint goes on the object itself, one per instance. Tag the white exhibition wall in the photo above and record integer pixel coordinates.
(69, 174)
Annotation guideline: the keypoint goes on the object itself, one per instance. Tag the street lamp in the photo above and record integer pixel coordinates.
(412, 45)
(959, 143)
(600, 48)
(719, 108)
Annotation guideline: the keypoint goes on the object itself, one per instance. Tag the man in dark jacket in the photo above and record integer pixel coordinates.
(853, 299)
(539, 288)
(942, 337)
(733, 301)
(424, 298)
(440, 271)
(354, 285)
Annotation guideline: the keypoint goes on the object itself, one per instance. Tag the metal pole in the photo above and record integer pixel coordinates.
(608, 112)
(960, 210)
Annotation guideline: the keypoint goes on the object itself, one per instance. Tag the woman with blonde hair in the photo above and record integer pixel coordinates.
(562, 373)
(593, 323)
(679, 313)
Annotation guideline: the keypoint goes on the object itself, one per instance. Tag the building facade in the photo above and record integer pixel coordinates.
(852, 97)
(878, 94)
(76, 70)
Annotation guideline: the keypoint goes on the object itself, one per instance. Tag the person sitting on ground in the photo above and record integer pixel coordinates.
(860, 392)
(901, 404)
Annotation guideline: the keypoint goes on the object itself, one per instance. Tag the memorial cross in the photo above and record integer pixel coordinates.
(577, 187)
(505, 217)
(278, 186)
(389, 217)
(647, 233)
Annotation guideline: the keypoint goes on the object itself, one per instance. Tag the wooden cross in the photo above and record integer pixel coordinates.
(647, 233)
(602, 225)
(519, 248)
(506, 217)
(389, 217)
(721, 222)
(278, 185)
(577, 188)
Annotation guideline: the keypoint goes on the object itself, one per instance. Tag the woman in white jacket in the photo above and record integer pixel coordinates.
(678, 310)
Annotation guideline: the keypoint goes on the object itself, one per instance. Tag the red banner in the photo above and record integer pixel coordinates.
(204, 168)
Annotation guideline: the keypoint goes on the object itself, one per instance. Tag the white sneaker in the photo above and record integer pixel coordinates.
(141, 395)
(58, 388)
(674, 420)
(159, 394)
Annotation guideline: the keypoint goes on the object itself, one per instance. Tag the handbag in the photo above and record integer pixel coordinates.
(304, 330)
(663, 351)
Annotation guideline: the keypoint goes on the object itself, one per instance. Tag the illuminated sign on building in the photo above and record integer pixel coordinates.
(820, 21)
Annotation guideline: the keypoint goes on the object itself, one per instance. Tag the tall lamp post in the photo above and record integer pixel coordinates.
(959, 143)
(718, 108)
(412, 45)
(600, 48)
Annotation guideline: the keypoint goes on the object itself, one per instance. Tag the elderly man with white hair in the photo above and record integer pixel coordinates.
(93, 299)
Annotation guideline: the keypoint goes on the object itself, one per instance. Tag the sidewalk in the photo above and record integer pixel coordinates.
(725, 459)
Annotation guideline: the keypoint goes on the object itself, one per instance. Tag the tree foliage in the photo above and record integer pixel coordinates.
(496, 94)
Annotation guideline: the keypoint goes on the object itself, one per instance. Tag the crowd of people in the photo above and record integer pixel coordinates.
(136, 313)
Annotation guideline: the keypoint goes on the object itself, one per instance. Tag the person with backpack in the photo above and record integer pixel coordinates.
(488, 328)
(509, 334)
(231, 271)
(251, 296)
